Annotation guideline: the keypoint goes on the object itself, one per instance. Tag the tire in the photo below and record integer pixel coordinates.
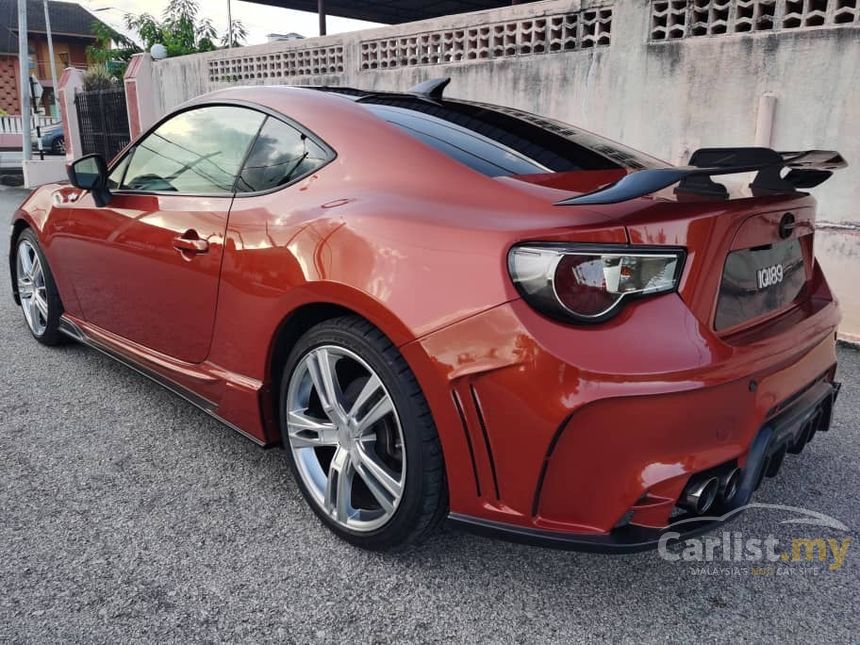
(58, 145)
(44, 328)
(373, 518)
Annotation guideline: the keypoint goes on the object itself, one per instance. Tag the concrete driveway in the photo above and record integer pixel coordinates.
(128, 515)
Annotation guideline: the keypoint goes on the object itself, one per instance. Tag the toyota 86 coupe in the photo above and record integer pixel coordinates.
(442, 308)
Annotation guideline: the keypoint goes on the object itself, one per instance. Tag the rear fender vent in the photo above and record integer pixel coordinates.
(468, 404)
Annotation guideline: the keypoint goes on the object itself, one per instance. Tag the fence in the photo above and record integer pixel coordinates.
(675, 19)
(103, 122)
(13, 124)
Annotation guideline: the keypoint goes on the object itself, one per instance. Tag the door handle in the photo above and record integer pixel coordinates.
(188, 244)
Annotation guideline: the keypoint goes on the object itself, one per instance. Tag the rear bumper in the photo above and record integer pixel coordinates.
(588, 436)
(799, 420)
(628, 539)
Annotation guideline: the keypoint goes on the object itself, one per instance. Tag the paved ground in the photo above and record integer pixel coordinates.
(126, 514)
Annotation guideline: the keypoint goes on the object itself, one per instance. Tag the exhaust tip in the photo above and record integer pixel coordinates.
(700, 494)
(729, 485)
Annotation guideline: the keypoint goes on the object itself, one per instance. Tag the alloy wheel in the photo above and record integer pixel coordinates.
(31, 288)
(346, 439)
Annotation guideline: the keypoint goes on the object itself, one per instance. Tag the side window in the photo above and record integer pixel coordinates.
(116, 174)
(280, 155)
(198, 151)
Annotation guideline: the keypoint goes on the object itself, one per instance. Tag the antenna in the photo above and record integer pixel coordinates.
(432, 88)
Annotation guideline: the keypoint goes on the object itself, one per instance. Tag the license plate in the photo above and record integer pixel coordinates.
(759, 281)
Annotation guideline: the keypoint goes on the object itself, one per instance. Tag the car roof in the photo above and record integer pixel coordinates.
(347, 117)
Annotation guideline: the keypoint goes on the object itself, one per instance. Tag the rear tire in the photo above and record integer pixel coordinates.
(37, 290)
(367, 459)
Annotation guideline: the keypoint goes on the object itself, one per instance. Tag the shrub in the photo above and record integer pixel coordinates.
(98, 78)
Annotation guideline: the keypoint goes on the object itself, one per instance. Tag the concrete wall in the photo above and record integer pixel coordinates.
(71, 82)
(640, 76)
(44, 171)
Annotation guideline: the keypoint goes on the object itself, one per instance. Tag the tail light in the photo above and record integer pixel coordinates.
(581, 283)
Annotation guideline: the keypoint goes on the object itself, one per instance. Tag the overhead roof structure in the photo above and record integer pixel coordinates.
(67, 19)
(388, 12)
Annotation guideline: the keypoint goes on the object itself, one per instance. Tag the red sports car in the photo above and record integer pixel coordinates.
(442, 308)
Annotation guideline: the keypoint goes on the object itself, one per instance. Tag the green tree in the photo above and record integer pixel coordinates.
(239, 35)
(180, 30)
(112, 50)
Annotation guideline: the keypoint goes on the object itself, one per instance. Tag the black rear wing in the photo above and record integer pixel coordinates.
(807, 169)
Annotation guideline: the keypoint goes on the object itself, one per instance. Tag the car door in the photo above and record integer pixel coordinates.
(146, 266)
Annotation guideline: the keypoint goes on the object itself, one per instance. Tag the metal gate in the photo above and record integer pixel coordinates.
(103, 120)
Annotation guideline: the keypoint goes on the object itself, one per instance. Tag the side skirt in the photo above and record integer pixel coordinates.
(74, 332)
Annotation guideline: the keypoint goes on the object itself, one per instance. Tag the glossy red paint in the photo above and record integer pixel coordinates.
(543, 424)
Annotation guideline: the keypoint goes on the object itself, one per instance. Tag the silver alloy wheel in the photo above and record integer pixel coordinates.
(345, 437)
(31, 288)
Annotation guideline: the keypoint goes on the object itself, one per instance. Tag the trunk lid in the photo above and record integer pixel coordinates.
(744, 265)
(760, 281)
(748, 261)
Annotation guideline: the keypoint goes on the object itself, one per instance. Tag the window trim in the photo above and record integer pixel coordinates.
(265, 110)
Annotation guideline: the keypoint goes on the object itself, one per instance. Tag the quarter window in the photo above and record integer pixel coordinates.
(115, 177)
(198, 151)
(281, 155)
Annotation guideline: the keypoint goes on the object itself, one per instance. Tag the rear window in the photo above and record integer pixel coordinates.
(500, 141)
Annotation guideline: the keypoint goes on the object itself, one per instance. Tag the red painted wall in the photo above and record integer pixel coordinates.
(66, 48)
(9, 101)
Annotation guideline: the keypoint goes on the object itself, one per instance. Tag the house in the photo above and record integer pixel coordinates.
(71, 27)
(276, 38)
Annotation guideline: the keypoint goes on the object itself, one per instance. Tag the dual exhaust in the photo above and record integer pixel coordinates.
(704, 490)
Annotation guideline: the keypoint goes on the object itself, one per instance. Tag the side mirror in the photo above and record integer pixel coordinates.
(90, 173)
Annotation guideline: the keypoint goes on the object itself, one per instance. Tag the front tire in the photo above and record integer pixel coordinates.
(37, 291)
(359, 436)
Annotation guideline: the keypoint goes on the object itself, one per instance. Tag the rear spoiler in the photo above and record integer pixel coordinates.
(807, 169)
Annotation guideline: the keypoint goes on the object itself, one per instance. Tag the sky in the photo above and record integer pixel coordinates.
(259, 20)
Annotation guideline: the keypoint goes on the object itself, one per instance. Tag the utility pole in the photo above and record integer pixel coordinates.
(51, 56)
(321, 12)
(229, 24)
(24, 87)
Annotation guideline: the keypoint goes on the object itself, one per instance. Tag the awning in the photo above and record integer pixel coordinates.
(388, 12)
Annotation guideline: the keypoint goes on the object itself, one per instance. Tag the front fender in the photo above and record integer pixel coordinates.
(39, 213)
